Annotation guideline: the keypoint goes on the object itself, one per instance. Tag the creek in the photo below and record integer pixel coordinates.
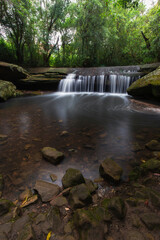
(99, 124)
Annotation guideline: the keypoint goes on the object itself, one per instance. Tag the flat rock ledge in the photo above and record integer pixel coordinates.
(52, 155)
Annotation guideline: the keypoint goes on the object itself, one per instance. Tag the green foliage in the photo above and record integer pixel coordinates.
(82, 33)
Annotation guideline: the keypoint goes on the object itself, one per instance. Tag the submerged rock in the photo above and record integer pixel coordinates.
(80, 196)
(147, 86)
(72, 178)
(110, 170)
(46, 190)
(52, 155)
(8, 90)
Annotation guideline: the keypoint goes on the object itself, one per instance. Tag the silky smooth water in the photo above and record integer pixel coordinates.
(98, 126)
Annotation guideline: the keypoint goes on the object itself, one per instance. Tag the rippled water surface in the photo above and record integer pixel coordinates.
(99, 126)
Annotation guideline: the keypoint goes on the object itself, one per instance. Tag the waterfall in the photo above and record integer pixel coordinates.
(113, 83)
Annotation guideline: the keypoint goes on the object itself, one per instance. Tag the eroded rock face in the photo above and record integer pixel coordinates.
(8, 90)
(52, 155)
(110, 170)
(147, 86)
(11, 72)
(72, 178)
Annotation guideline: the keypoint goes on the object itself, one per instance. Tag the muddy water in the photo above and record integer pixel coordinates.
(98, 125)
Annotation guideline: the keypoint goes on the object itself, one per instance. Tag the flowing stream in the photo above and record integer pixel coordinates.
(99, 125)
(112, 82)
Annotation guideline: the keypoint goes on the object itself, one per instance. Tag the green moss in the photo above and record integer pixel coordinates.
(148, 85)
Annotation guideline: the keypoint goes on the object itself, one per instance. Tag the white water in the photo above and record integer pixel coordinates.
(103, 83)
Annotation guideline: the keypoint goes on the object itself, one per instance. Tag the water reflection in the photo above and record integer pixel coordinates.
(99, 126)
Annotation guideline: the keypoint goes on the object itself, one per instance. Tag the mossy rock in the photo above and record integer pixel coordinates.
(5, 206)
(117, 207)
(153, 145)
(72, 178)
(147, 86)
(11, 72)
(152, 165)
(91, 223)
(110, 170)
(52, 155)
(80, 196)
(8, 90)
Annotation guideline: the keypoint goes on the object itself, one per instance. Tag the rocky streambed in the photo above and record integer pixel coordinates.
(105, 208)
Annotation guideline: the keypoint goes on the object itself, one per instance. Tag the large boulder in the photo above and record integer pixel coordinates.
(147, 86)
(110, 170)
(72, 178)
(8, 90)
(11, 72)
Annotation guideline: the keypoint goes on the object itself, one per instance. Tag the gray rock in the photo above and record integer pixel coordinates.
(59, 201)
(80, 196)
(91, 223)
(52, 155)
(26, 233)
(5, 228)
(110, 170)
(151, 220)
(1, 183)
(5, 206)
(46, 190)
(155, 198)
(55, 220)
(118, 207)
(40, 218)
(92, 187)
(153, 145)
(134, 235)
(20, 224)
(72, 178)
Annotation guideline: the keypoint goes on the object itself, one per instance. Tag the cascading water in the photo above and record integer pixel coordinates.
(113, 83)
